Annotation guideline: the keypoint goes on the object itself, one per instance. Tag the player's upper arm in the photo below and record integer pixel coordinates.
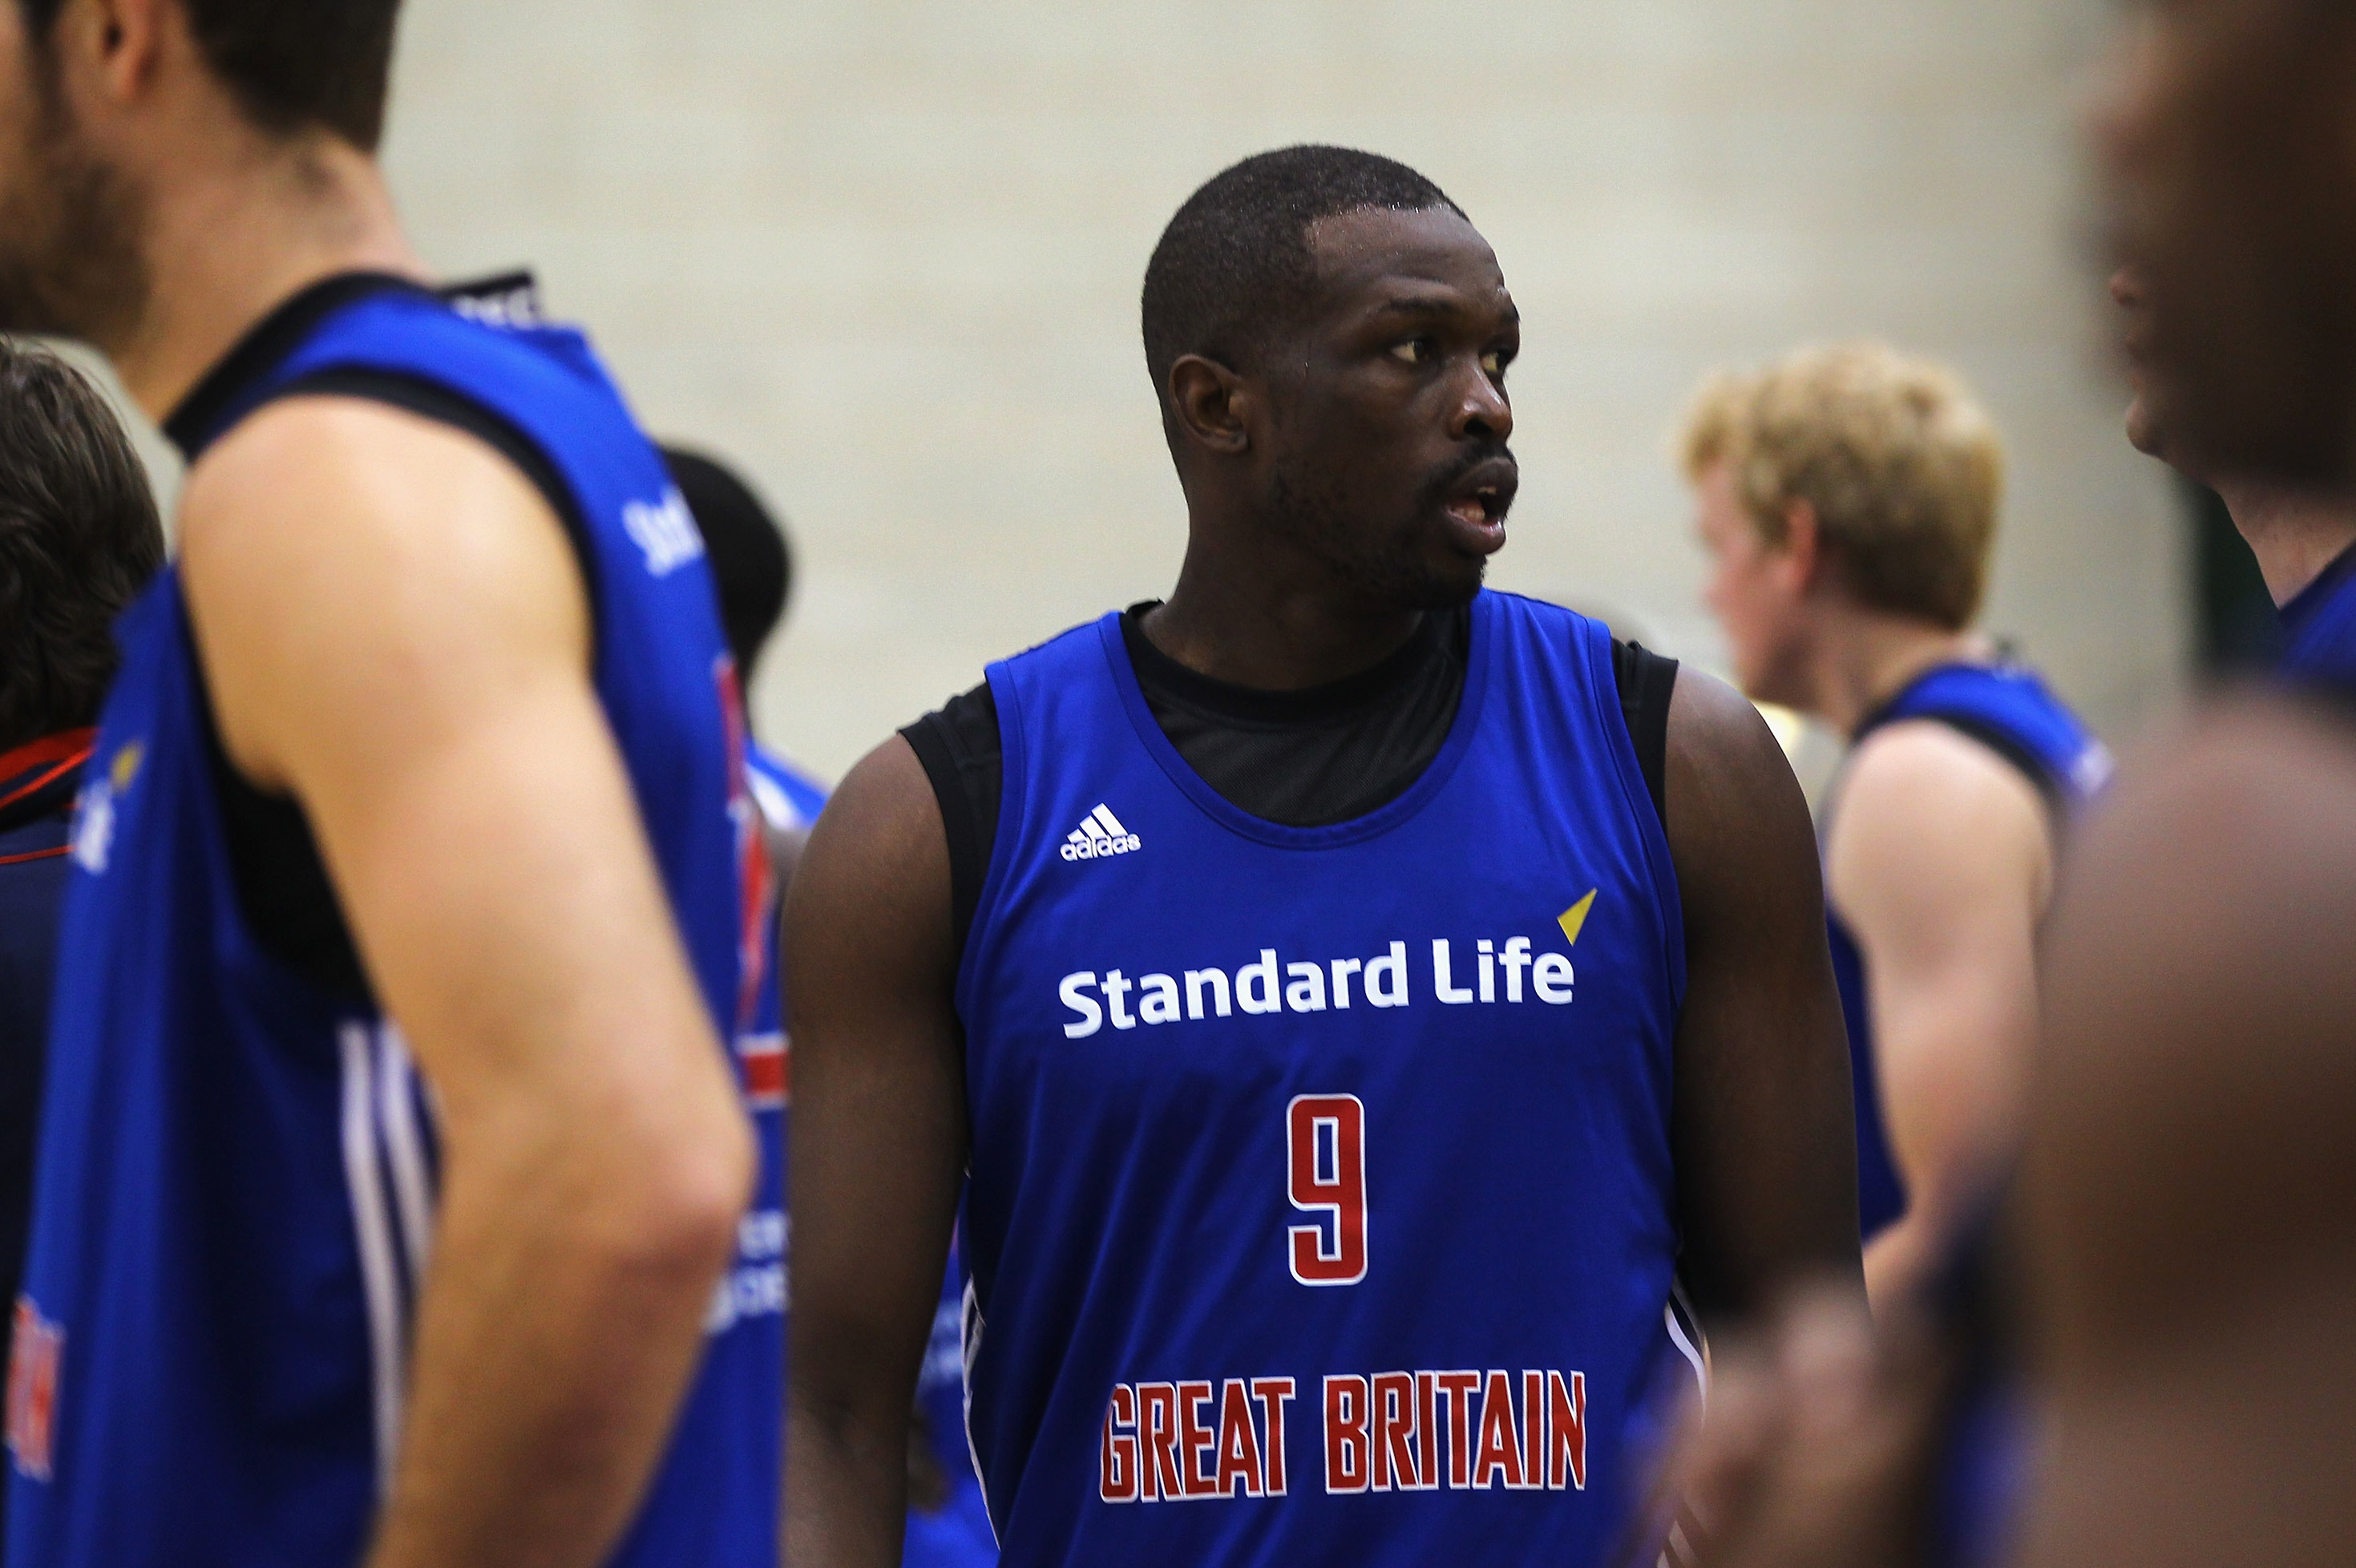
(1941, 863)
(394, 630)
(880, 1134)
(1765, 1137)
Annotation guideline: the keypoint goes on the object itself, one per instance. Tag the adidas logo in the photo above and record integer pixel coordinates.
(1100, 836)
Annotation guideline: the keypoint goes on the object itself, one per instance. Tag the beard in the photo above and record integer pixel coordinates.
(1392, 567)
(70, 264)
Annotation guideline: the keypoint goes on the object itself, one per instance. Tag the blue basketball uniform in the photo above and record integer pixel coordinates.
(2010, 711)
(237, 1186)
(1320, 1205)
(2320, 625)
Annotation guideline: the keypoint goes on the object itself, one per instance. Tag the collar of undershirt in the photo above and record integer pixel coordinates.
(1164, 679)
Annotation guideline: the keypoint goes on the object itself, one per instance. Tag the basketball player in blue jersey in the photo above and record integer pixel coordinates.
(1353, 1000)
(2304, 539)
(395, 1152)
(1847, 499)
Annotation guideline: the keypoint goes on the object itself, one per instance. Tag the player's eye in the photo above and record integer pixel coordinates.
(1414, 351)
(1494, 361)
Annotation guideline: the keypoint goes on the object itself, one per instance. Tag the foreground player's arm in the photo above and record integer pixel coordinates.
(1765, 1146)
(395, 632)
(2187, 1170)
(879, 1148)
(1941, 865)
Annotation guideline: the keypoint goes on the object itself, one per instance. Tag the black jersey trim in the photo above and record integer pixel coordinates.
(200, 417)
(962, 753)
(289, 900)
(1648, 683)
(969, 800)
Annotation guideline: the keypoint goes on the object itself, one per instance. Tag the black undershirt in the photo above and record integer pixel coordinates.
(282, 887)
(1307, 758)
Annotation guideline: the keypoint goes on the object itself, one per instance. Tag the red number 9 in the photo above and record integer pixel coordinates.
(1326, 1137)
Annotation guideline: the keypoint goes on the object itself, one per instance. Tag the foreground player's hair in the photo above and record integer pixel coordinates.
(79, 539)
(293, 64)
(1903, 467)
(1237, 256)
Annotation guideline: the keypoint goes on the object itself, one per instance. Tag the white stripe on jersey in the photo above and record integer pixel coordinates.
(372, 1224)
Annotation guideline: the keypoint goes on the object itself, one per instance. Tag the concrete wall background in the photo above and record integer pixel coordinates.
(885, 256)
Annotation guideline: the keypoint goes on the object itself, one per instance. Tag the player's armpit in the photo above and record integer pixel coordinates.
(1763, 1131)
(1940, 864)
(394, 630)
(879, 1150)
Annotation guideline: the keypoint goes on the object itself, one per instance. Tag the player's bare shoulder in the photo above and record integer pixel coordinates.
(874, 877)
(1724, 769)
(1923, 804)
(328, 544)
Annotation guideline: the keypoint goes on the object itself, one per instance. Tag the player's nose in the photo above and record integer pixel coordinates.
(1482, 409)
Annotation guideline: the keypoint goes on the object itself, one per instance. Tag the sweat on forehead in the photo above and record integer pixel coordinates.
(1238, 255)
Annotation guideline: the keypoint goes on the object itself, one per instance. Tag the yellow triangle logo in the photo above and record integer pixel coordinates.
(1573, 920)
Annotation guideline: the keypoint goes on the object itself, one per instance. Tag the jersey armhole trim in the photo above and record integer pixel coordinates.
(1014, 815)
(1652, 824)
(966, 865)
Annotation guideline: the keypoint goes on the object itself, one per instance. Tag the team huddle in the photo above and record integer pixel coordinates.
(1365, 1050)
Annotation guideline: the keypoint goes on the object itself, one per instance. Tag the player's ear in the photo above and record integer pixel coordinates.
(1803, 549)
(114, 47)
(1211, 405)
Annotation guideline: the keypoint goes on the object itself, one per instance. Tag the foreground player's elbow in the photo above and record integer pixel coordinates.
(678, 1195)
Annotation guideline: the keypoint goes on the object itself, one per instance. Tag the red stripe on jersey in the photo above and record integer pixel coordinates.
(768, 1076)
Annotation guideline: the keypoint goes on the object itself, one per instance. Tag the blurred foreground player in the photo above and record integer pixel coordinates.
(2191, 1189)
(409, 909)
(1849, 500)
(752, 567)
(2187, 1174)
(79, 539)
(1347, 1057)
(2304, 538)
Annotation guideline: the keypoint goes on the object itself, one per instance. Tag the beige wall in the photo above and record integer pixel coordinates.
(886, 254)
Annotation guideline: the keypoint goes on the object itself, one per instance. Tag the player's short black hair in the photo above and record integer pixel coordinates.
(752, 561)
(79, 539)
(293, 64)
(1236, 259)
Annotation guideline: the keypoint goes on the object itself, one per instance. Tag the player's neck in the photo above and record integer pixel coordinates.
(1274, 627)
(299, 213)
(1871, 657)
(2295, 534)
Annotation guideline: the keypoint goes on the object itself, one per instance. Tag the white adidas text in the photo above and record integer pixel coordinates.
(1100, 836)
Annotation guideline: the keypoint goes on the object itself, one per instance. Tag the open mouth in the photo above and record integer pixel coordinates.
(1479, 501)
(1485, 507)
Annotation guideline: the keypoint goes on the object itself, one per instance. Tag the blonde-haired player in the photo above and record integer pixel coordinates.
(1848, 498)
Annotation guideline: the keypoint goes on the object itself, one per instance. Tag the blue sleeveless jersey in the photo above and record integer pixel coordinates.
(236, 1191)
(2320, 625)
(1321, 1206)
(2010, 711)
